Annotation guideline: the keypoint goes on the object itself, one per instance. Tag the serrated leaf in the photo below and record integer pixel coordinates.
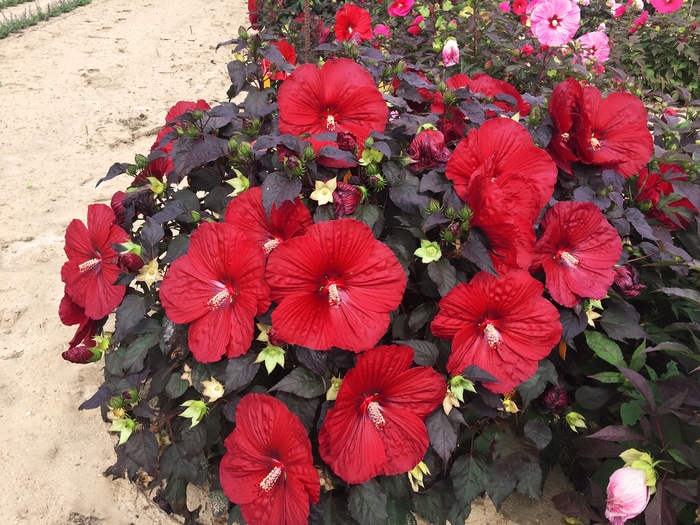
(174, 464)
(640, 384)
(189, 153)
(620, 320)
(367, 504)
(591, 397)
(313, 359)
(443, 436)
(533, 387)
(424, 352)
(240, 371)
(152, 232)
(399, 512)
(301, 382)
(177, 248)
(421, 315)
(616, 433)
(257, 101)
(572, 322)
(684, 293)
(142, 449)
(367, 214)
(639, 222)
(475, 251)
(604, 348)
(529, 480)
(502, 482)
(538, 432)
(129, 313)
(470, 475)
(631, 413)
(176, 386)
(443, 274)
(278, 188)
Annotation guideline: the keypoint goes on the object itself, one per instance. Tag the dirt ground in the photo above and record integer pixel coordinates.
(78, 93)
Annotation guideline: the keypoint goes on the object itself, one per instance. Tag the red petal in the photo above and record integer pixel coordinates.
(184, 106)
(405, 439)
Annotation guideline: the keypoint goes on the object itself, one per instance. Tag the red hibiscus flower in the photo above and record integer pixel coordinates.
(491, 87)
(614, 132)
(654, 189)
(504, 326)
(352, 22)
(268, 467)
(377, 424)
(246, 212)
(91, 269)
(577, 251)
(565, 108)
(341, 96)
(71, 314)
(519, 7)
(288, 53)
(218, 287)
(335, 286)
(253, 14)
(525, 173)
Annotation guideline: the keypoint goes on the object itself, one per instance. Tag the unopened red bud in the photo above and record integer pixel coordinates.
(625, 282)
(554, 397)
(346, 198)
(347, 141)
(428, 150)
(130, 262)
(78, 354)
(325, 35)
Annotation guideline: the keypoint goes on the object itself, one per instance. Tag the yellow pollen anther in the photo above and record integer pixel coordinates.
(271, 245)
(565, 137)
(218, 299)
(595, 143)
(333, 295)
(376, 415)
(554, 22)
(330, 123)
(271, 479)
(493, 338)
(88, 265)
(567, 259)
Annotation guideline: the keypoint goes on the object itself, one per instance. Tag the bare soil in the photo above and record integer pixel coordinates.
(78, 93)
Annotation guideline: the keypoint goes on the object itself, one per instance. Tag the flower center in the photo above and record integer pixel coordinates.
(219, 298)
(88, 265)
(271, 245)
(330, 121)
(567, 259)
(333, 295)
(269, 482)
(565, 137)
(375, 414)
(350, 29)
(493, 337)
(595, 143)
(554, 22)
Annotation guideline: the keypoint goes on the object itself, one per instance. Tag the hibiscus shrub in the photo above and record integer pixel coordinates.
(453, 287)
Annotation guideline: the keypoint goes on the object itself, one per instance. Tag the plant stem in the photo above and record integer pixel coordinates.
(307, 30)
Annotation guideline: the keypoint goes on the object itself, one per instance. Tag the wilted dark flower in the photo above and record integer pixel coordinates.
(347, 141)
(428, 150)
(554, 397)
(130, 262)
(78, 354)
(625, 282)
(325, 35)
(118, 207)
(346, 198)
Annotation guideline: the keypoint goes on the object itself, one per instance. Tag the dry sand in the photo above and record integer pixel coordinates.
(78, 93)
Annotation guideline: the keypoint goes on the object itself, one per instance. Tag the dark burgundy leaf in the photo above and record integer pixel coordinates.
(313, 359)
(257, 102)
(442, 433)
(641, 385)
(103, 394)
(572, 322)
(474, 373)
(129, 313)
(475, 251)
(620, 320)
(659, 510)
(117, 168)
(616, 433)
(189, 153)
(334, 153)
(240, 371)
(278, 188)
(152, 232)
(142, 449)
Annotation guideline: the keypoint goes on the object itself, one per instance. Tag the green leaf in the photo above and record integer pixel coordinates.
(502, 482)
(631, 413)
(367, 214)
(430, 504)
(608, 377)
(470, 476)
(443, 274)
(639, 357)
(399, 512)
(605, 348)
(240, 371)
(176, 386)
(367, 504)
(301, 382)
(684, 293)
(529, 480)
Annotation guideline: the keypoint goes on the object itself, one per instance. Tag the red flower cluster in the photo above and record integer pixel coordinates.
(339, 97)
(610, 133)
(504, 326)
(376, 425)
(268, 467)
(653, 192)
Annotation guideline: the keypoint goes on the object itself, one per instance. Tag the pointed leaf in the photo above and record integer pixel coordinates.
(367, 504)
(442, 433)
(301, 382)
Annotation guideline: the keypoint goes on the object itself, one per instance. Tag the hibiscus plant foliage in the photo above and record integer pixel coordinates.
(370, 288)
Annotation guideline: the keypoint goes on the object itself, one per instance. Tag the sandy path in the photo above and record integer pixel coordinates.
(77, 94)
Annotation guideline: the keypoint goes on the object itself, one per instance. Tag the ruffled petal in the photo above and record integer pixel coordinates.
(405, 440)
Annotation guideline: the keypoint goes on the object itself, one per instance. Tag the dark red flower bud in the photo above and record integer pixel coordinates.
(527, 50)
(288, 157)
(325, 35)
(554, 397)
(347, 141)
(130, 262)
(455, 229)
(118, 207)
(274, 339)
(428, 150)
(346, 198)
(625, 282)
(78, 354)
(693, 26)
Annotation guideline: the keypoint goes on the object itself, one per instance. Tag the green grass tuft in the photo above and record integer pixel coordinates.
(11, 3)
(28, 19)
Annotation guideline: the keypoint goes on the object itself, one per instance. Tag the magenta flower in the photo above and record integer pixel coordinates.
(382, 30)
(667, 6)
(594, 47)
(504, 6)
(450, 53)
(628, 495)
(400, 8)
(555, 22)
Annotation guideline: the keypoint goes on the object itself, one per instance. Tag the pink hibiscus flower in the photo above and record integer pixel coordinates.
(555, 22)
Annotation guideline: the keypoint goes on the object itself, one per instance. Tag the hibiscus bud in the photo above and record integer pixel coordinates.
(369, 141)
(625, 282)
(347, 141)
(140, 161)
(554, 397)
(116, 402)
(645, 205)
(628, 495)
(449, 97)
(377, 181)
(433, 206)
(325, 35)
(509, 405)
(244, 149)
(450, 53)
(428, 150)
(346, 199)
(308, 154)
(80, 355)
(288, 157)
(437, 45)
(131, 396)
(450, 212)
(465, 213)
(196, 410)
(191, 131)
(242, 33)
(233, 146)
(129, 262)
(332, 392)
(251, 127)
(400, 67)
(693, 26)
(118, 207)
(527, 50)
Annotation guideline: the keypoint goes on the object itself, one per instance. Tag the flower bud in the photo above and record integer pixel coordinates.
(196, 410)
(325, 35)
(242, 33)
(131, 169)
(118, 207)
(346, 198)
(449, 97)
(450, 212)
(347, 141)
(450, 53)
(377, 181)
(465, 213)
(288, 157)
(233, 145)
(129, 262)
(458, 384)
(428, 150)
(554, 397)
(433, 206)
(251, 127)
(244, 149)
(369, 141)
(81, 355)
(197, 114)
(140, 161)
(332, 392)
(628, 495)
(575, 420)
(437, 45)
(625, 282)
(131, 396)
(308, 154)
